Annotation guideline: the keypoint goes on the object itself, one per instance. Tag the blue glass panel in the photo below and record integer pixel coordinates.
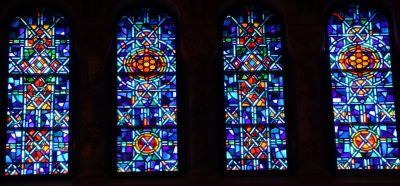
(38, 95)
(146, 93)
(362, 89)
(253, 81)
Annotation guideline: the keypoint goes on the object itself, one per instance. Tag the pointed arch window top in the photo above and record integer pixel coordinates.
(146, 33)
(44, 39)
(259, 33)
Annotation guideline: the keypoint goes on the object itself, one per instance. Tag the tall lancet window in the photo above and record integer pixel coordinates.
(362, 89)
(37, 140)
(253, 84)
(146, 93)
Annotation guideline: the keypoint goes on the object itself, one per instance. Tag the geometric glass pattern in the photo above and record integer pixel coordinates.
(362, 89)
(38, 95)
(146, 93)
(253, 88)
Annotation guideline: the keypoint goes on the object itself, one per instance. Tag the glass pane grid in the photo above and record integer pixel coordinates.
(253, 86)
(362, 89)
(146, 93)
(38, 95)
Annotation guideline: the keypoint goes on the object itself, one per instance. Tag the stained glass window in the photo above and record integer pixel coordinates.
(362, 89)
(146, 93)
(38, 95)
(253, 81)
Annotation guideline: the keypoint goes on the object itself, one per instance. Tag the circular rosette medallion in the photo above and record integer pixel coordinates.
(359, 61)
(365, 140)
(147, 63)
(147, 143)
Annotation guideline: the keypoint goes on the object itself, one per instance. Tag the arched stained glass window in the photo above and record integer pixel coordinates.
(38, 95)
(362, 89)
(146, 93)
(253, 81)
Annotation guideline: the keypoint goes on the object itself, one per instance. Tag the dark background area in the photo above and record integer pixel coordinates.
(312, 157)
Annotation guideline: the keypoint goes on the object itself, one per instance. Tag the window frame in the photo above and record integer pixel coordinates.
(288, 91)
(24, 9)
(325, 99)
(112, 105)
